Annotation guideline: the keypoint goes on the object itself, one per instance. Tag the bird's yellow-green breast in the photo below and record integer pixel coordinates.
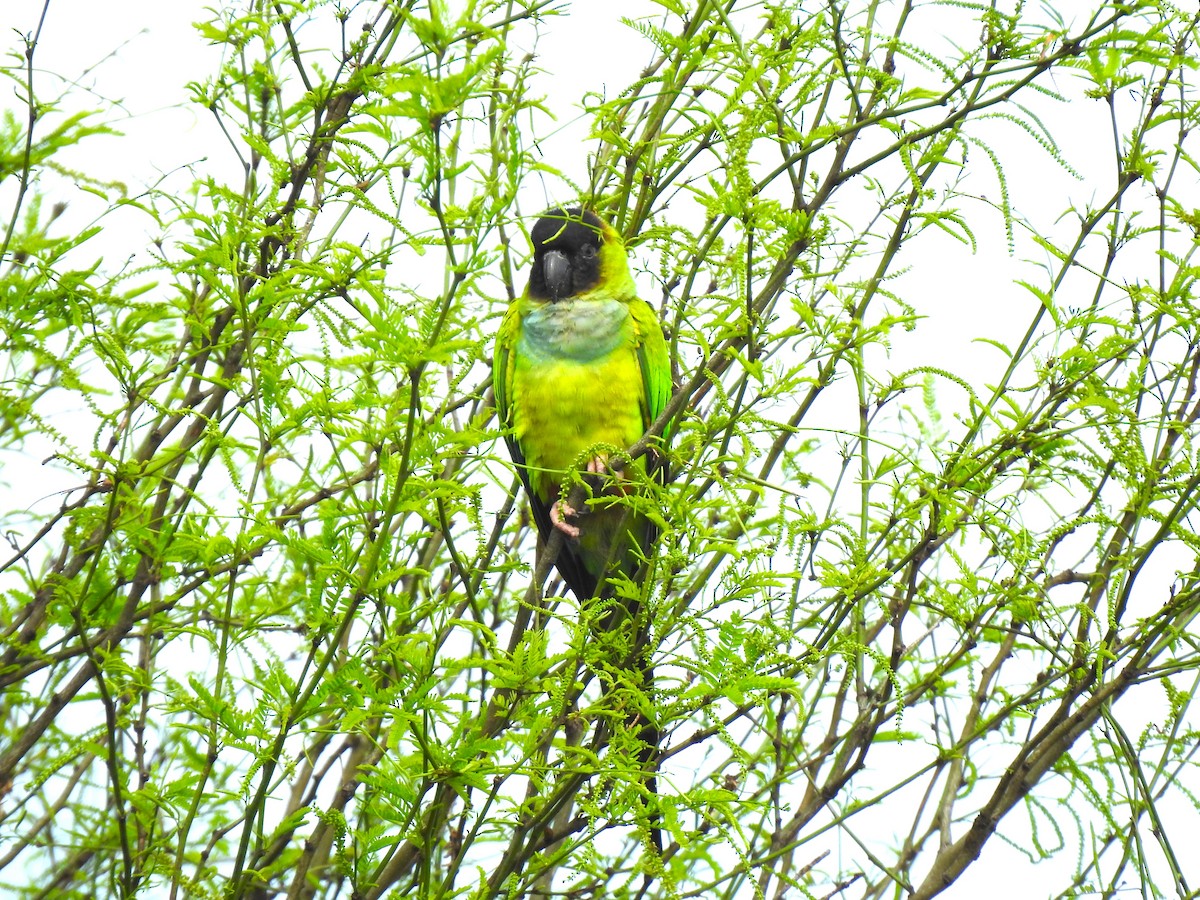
(576, 383)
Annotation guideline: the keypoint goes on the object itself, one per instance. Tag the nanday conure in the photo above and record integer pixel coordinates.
(581, 367)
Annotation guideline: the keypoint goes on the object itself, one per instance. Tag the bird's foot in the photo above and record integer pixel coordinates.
(598, 465)
(614, 475)
(559, 513)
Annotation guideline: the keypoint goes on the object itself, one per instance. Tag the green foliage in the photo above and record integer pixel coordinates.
(274, 626)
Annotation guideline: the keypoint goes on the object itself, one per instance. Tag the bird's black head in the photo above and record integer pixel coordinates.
(566, 253)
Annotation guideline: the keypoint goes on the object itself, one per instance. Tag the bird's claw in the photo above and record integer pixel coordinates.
(559, 513)
(598, 465)
(609, 479)
(602, 466)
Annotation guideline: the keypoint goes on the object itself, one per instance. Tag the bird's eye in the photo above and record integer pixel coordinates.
(588, 251)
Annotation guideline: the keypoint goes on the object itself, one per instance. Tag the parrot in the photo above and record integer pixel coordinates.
(580, 367)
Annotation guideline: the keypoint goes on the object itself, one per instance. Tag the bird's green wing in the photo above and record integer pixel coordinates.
(653, 360)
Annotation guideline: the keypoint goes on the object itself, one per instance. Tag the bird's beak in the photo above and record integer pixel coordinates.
(557, 269)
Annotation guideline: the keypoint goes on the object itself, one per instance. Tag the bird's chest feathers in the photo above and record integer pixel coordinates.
(574, 330)
(580, 384)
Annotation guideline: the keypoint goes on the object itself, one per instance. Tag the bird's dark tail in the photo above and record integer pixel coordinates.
(625, 624)
(630, 617)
